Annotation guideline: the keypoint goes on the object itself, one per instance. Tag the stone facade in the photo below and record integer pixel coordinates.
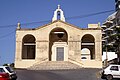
(58, 41)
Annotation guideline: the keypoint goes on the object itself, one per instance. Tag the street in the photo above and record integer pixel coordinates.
(81, 74)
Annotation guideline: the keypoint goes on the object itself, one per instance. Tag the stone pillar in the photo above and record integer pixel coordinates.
(18, 54)
(75, 50)
(98, 50)
(42, 48)
(37, 51)
(78, 50)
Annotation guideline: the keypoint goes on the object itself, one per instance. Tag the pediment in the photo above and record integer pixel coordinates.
(57, 22)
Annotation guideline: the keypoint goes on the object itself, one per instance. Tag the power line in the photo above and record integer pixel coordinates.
(88, 15)
(8, 26)
(73, 17)
(36, 22)
(6, 35)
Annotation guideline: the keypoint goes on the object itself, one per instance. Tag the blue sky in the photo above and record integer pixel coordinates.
(28, 11)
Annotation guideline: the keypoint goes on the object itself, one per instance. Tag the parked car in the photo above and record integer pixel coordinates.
(10, 71)
(112, 71)
(4, 76)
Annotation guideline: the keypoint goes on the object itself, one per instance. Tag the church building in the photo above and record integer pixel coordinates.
(59, 41)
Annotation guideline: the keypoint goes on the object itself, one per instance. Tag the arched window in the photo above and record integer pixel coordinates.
(28, 47)
(88, 42)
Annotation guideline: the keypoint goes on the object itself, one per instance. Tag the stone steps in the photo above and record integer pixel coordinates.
(54, 65)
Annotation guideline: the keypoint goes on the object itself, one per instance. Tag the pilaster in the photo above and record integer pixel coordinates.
(42, 48)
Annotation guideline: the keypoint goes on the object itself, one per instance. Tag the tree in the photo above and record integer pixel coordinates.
(116, 45)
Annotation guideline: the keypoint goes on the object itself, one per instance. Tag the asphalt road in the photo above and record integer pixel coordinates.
(81, 74)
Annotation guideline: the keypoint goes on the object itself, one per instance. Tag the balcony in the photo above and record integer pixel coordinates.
(103, 27)
(114, 33)
(108, 22)
(106, 37)
(109, 44)
(113, 26)
(103, 40)
(108, 29)
(113, 42)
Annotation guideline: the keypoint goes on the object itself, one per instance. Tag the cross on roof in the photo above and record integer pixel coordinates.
(58, 6)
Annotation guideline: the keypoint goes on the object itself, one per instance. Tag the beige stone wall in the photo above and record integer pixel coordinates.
(24, 63)
(91, 64)
(41, 35)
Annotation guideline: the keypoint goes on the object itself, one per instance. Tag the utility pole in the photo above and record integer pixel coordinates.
(106, 62)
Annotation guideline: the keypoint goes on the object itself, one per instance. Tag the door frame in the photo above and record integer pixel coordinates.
(54, 50)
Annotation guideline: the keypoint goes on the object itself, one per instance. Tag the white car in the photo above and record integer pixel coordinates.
(112, 71)
(10, 71)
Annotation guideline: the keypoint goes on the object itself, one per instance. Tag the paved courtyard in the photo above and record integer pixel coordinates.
(80, 74)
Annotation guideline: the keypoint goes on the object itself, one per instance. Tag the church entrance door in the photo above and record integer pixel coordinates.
(60, 54)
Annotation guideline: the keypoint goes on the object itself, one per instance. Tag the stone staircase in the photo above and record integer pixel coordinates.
(54, 65)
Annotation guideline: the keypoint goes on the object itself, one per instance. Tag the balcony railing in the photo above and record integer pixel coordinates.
(106, 37)
(103, 40)
(107, 22)
(108, 29)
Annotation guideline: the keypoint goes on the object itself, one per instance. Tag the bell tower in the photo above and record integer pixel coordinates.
(58, 14)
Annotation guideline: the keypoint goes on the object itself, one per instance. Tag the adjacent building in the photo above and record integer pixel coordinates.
(109, 27)
(117, 5)
(111, 31)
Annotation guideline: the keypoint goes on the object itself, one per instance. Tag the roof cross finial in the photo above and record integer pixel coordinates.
(58, 6)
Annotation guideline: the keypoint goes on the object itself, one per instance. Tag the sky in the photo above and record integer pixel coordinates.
(40, 12)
